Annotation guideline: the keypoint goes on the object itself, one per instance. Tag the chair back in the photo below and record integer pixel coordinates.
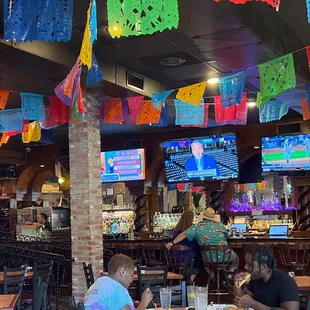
(13, 280)
(179, 296)
(153, 278)
(131, 250)
(43, 273)
(89, 275)
(179, 260)
(40, 289)
(216, 255)
(154, 255)
(295, 257)
(229, 281)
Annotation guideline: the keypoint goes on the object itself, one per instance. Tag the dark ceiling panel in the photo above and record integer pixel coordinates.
(111, 53)
(146, 46)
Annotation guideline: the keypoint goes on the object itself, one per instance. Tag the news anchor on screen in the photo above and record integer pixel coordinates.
(201, 162)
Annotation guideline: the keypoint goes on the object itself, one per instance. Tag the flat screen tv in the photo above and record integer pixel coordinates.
(121, 166)
(286, 153)
(205, 158)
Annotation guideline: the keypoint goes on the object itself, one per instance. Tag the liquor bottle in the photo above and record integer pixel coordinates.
(283, 201)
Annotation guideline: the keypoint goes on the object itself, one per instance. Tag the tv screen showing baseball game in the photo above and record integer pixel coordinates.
(205, 158)
(120, 166)
(286, 153)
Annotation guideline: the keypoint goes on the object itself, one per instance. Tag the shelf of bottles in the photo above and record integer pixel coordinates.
(118, 223)
(248, 203)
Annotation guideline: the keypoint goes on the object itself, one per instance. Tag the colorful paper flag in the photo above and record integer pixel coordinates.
(192, 94)
(4, 95)
(86, 48)
(33, 134)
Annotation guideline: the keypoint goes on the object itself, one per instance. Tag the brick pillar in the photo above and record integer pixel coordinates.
(85, 195)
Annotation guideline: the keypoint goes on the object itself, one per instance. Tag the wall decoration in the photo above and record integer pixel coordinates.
(187, 114)
(159, 99)
(41, 20)
(94, 75)
(192, 94)
(276, 76)
(273, 110)
(11, 120)
(86, 47)
(113, 112)
(32, 106)
(4, 95)
(231, 88)
(305, 110)
(33, 134)
(147, 114)
(133, 106)
(206, 118)
(234, 115)
(134, 18)
(67, 89)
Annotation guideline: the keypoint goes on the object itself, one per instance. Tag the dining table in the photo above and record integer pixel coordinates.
(28, 275)
(8, 302)
(303, 283)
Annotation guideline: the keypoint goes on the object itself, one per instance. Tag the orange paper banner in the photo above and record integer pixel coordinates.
(113, 111)
(4, 139)
(33, 134)
(192, 94)
(147, 114)
(4, 95)
(305, 110)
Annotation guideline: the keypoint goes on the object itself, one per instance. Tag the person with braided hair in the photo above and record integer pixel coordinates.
(263, 286)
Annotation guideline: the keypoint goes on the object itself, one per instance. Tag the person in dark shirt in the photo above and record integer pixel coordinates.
(269, 288)
(43, 220)
(201, 162)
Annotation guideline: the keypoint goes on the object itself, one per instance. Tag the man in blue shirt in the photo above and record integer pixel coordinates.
(200, 162)
(110, 293)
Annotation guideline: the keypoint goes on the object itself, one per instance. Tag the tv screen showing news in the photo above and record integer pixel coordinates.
(120, 166)
(286, 153)
(205, 158)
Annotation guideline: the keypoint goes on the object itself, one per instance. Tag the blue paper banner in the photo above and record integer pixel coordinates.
(159, 98)
(94, 75)
(231, 88)
(273, 110)
(93, 22)
(42, 20)
(32, 107)
(11, 120)
(188, 114)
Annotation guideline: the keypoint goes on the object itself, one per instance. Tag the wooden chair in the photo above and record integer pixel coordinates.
(295, 257)
(179, 260)
(131, 250)
(13, 281)
(153, 278)
(179, 295)
(89, 275)
(40, 292)
(216, 258)
(229, 281)
(43, 273)
(154, 255)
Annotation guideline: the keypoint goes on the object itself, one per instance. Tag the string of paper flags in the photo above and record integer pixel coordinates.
(52, 20)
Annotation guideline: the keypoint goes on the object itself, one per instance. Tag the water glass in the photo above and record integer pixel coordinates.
(191, 293)
(201, 301)
(165, 298)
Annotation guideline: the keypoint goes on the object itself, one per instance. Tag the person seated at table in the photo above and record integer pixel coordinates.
(269, 288)
(208, 232)
(111, 292)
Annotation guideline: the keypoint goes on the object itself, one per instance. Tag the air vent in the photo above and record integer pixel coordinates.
(134, 80)
(133, 144)
(290, 128)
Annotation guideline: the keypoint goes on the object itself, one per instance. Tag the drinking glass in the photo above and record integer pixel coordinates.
(191, 293)
(165, 298)
(201, 301)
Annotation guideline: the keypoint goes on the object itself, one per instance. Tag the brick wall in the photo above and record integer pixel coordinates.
(85, 194)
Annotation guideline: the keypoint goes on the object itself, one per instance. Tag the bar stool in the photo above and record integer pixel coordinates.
(216, 258)
(295, 257)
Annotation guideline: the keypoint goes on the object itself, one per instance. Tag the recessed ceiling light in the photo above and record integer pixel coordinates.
(251, 104)
(213, 81)
(172, 61)
(256, 147)
(42, 166)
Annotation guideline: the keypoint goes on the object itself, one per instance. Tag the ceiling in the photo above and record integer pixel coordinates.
(214, 39)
